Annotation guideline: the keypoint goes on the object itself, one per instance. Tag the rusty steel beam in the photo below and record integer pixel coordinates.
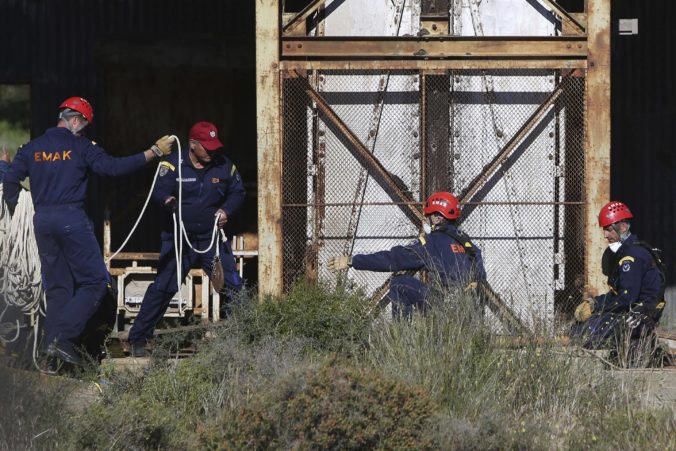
(269, 149)
(597, 132)
(431, 65)
(375, 168)
(511, 145)
(568, 21)
(302, 16)
(435, 47)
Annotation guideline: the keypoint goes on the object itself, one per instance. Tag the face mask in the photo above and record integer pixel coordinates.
(614, 246)
(427, 228)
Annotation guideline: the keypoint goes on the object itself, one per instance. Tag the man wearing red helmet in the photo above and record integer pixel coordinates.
(445, 252)
(211, 187)
(636, 279)
(74, 276)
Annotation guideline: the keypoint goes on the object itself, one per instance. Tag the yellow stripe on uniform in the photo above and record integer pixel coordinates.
(422, 240)
(169, 165)
(233, 170)
(625, 259)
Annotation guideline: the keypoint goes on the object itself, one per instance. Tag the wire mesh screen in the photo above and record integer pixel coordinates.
(363, 149)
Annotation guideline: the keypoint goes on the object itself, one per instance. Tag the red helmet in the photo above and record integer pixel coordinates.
(613, 212)
(444, 203)
(81, 106)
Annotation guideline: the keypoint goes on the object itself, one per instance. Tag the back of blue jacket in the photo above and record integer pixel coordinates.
(58, 164)
(217, 186)
(437, 252)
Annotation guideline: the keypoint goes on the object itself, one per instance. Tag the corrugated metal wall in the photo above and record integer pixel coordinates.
(643, 158)
(643, 165)
(51, 45)
(149, 67)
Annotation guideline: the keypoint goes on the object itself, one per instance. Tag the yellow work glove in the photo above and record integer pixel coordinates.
(584, 311)
(339, 262)
(162, 146)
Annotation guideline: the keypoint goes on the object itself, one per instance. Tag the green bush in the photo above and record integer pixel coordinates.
(331, 320)
(331, 407)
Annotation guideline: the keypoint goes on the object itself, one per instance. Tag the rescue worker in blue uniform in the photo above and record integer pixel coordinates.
(211, 187)
(74, 276)
(447, 254)
(636, 280)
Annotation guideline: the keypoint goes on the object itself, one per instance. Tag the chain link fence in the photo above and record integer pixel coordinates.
(363, 149)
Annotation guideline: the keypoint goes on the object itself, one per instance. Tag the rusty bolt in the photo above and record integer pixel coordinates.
(300, 46)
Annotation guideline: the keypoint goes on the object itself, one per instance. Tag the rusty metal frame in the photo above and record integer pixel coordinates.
(584, 46)
(434, 47)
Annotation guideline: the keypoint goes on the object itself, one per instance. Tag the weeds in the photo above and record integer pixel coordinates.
(312, 370)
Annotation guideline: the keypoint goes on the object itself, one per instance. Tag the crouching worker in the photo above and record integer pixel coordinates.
(446, 253)
(636, 278)
(211, 188)
(74, 275)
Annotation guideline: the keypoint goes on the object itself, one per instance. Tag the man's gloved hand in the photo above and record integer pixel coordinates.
(584, 311)
(339, 262)
(170, 204)
(162, 146)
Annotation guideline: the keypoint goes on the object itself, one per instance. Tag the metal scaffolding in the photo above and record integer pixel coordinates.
(320, 144)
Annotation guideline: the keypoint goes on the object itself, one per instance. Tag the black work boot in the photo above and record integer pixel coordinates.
(63, 355)
(138, 349)
(53, 366)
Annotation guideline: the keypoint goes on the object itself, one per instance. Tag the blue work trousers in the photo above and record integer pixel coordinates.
(606, 330)
(406, 293)
(159, 294)
(74, 275)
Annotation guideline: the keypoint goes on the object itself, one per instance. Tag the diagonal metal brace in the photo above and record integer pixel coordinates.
(362, 154)
(303, 15)
(565, 15)
(502, 156)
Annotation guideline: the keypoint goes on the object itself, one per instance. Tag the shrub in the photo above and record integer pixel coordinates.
(331, 320)
(331, 408)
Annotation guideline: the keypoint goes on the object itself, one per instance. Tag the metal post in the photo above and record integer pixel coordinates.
(597, 161)
(268, 113)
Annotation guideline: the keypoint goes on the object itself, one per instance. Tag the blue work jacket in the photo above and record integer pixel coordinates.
(635, 279)
(217, 186)
(58, 163)
(436, 252)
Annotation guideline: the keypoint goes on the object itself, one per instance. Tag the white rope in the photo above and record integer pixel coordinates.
(20, 276)
(178, 242)
(138, 220)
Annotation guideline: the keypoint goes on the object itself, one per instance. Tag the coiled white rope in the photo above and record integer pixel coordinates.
(20, 276)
